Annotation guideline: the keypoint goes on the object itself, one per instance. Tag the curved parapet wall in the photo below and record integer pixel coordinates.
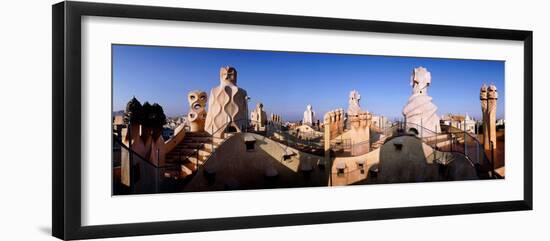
(179, 135)
(270, 164)
(359, 134)
(307, 132)
(407, 159)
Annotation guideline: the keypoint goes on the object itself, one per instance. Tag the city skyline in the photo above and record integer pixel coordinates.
(285, 82)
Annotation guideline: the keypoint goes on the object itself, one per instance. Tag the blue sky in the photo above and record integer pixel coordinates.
(285, 82)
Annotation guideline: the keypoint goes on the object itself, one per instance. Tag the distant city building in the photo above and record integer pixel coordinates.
(309, 116)
(292, 125)
(118, 124)
(167, 133)
(380, 122)
(173, 122)
(460, 122)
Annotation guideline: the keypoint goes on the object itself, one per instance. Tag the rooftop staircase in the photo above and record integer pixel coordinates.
(192, 152)
(379, 142)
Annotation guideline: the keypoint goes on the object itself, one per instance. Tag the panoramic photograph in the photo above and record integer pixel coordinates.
(188, 119)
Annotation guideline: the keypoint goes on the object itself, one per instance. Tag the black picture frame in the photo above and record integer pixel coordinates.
(66, 122)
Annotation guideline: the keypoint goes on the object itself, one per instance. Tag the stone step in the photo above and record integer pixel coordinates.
(195, 145)
(209, 147)
(190, 145)
(182, 151)
(175, 159)
(218, 141)
(204, 153)
(226, 135)
(191, 166)
(188, 153)
(197, 134)
(195, 139)
(185, 171)
(202, 140)
(194, 160)
(174, 174)
(441, 143)
(442, 137)
(378, 144)
(187, 149)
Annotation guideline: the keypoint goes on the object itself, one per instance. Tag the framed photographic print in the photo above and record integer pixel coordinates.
(170, 120)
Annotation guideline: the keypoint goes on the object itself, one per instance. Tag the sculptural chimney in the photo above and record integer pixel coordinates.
(419, 112)
(197, 110)
(488, 97)
(227, 105)
(309, 116)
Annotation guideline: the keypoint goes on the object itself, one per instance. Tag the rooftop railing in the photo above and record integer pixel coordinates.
(451, 139)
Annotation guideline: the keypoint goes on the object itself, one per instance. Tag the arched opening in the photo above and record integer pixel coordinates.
(413, 131)
(230, 129)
